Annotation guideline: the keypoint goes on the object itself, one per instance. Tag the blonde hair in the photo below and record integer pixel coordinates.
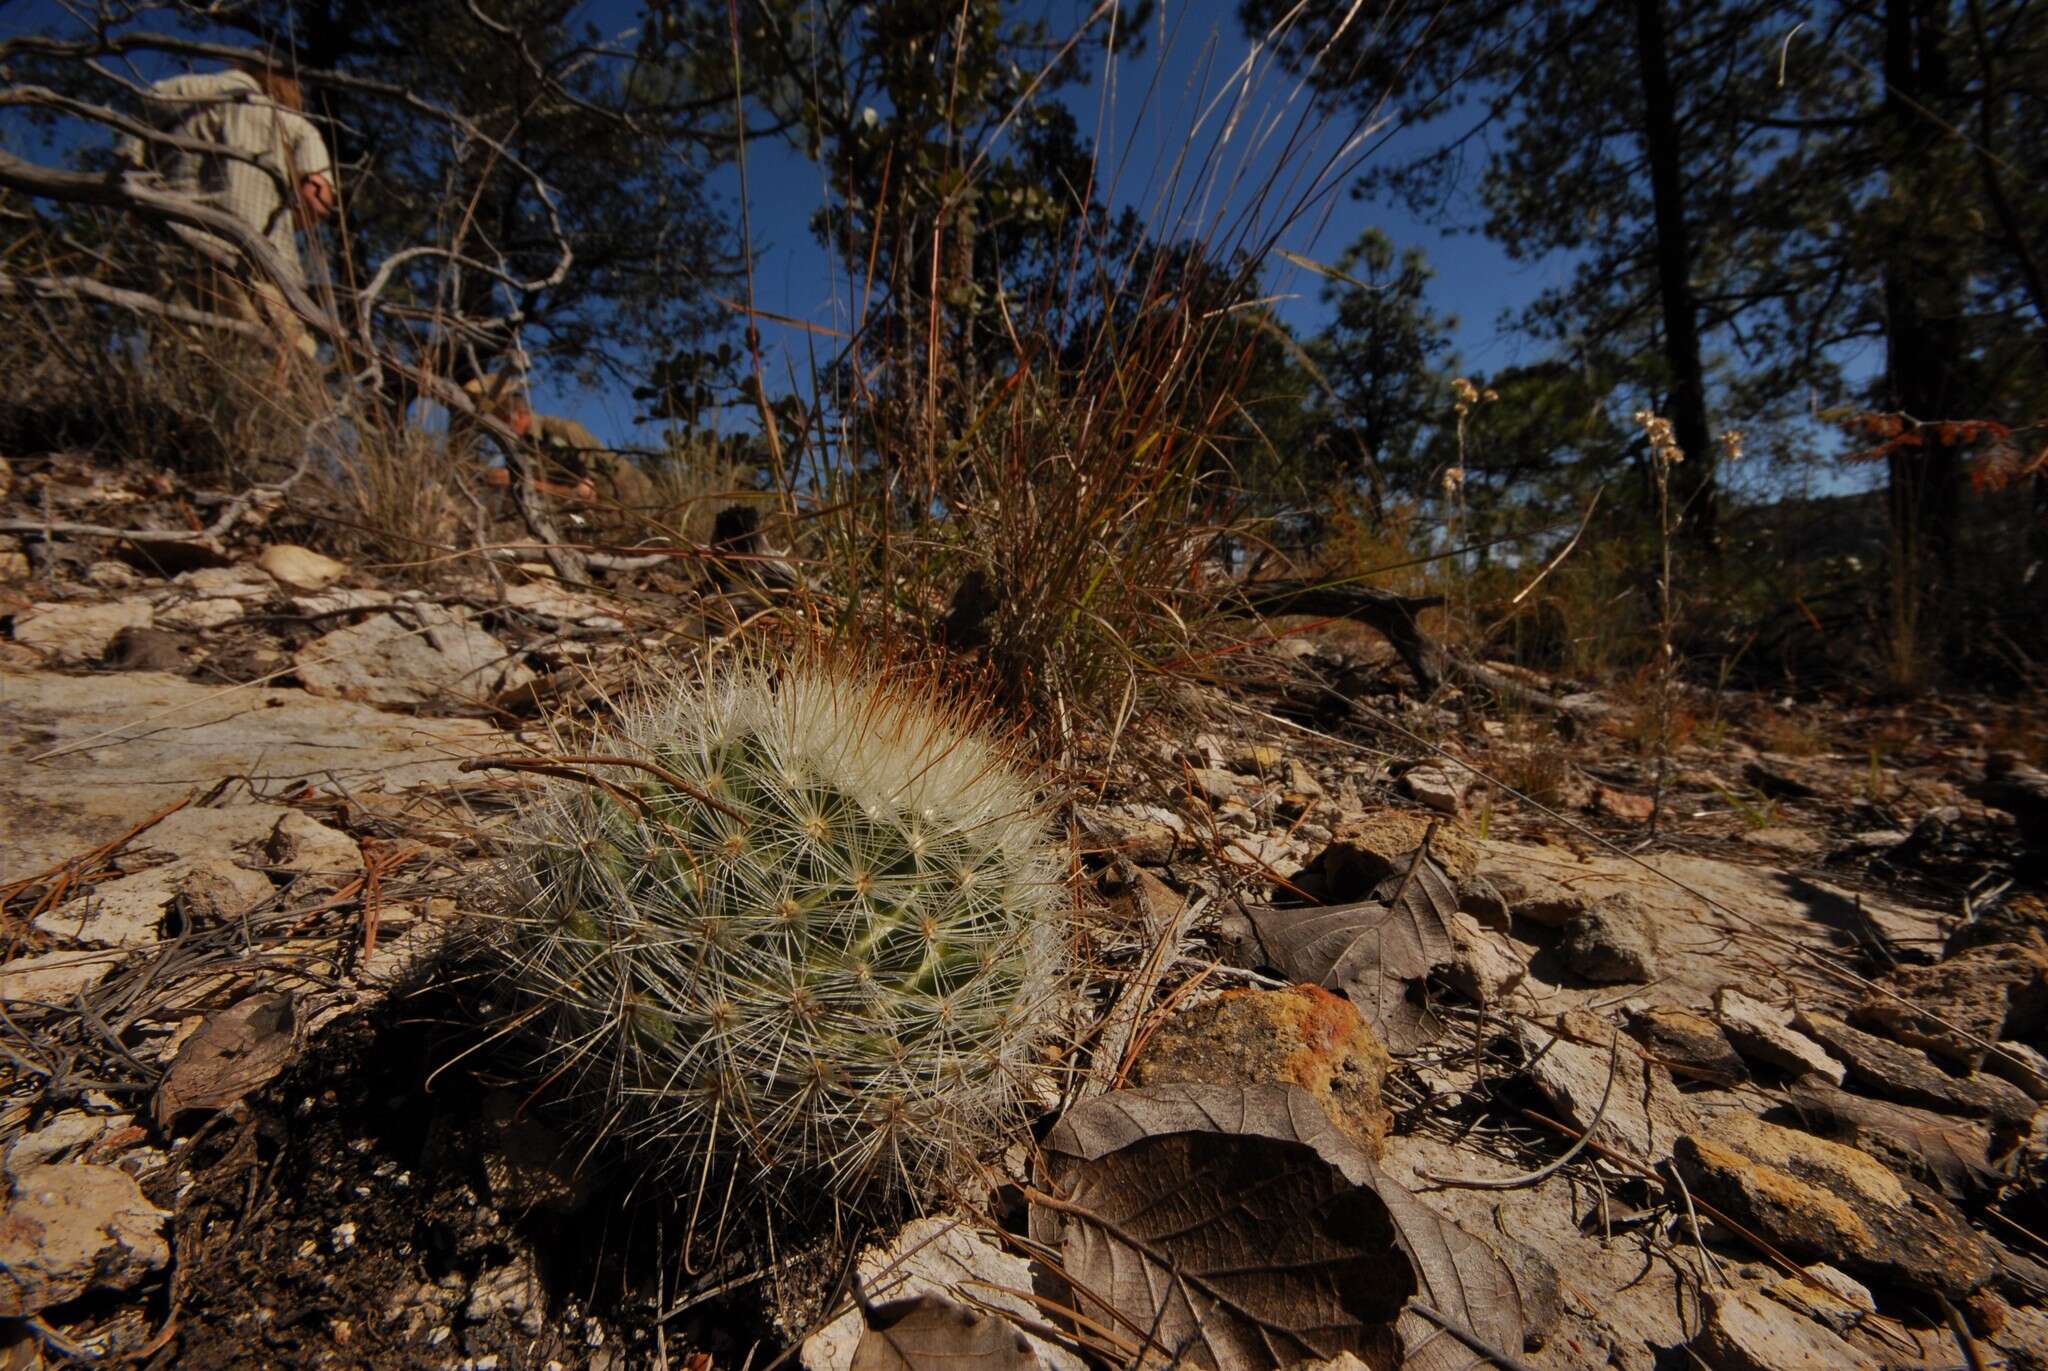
(281, 87)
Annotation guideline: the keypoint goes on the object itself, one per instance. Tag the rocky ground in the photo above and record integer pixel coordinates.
(1754, 1088)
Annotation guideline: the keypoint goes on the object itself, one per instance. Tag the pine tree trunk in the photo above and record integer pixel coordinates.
(1923, 323)
(1698, 496)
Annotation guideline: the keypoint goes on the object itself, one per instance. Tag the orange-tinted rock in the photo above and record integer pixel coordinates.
(1305, 1036)
(1817, 1200)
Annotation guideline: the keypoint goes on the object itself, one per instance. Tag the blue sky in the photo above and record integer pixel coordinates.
(1143, 113)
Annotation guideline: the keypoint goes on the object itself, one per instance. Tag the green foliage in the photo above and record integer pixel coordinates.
(814, 937)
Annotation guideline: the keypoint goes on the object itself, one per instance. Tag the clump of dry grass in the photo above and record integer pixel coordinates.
(1791, 735)
(400, 492)
(207, 405)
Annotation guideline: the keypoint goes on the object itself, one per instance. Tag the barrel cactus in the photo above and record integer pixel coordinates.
(805, 929)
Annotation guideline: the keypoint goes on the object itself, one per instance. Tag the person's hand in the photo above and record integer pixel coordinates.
(316, 195)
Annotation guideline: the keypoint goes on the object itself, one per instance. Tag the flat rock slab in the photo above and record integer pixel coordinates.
(1996, 991)
(1764, 1034)
(114, 749)
(1826, 1296)
(429, 654)
(79, 633)
(1688, 1041)
(1817, 1200)
(1746, 1331)
(1881, 1067)
(129, 912)
(1548, 884)
(1950, 1153)
(74, 1228)
(54, 977)
(1644, 1111)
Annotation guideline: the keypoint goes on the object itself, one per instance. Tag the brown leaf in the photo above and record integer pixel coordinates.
(233, 1052)
(931, 1333)
(1235, 1227)
(1374, 953)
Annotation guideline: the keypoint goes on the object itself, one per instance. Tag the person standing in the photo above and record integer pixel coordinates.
(271, 170)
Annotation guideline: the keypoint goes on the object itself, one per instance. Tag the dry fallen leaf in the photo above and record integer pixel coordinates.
(1236, 1228)
(1375, 953)
(233, 1052)
(931, 1333)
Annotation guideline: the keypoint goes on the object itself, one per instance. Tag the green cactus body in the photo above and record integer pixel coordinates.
(842, 967)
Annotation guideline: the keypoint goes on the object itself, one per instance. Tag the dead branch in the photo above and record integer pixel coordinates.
(1395, 616)
(135, 301)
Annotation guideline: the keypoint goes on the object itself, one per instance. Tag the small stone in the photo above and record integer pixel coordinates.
(1305, 1036)
(1301, 782)
(510, 1290)
(68, 1133)
(1610, 943)
(1890, 1071)
(941, 1256)
(303, 844)
(1150, 903)
(1827, 1296)
(111, 575)
(1478, 898)
(144, 649)
(1794, 842)
(1681, 1038)
(1367, 848)
(1623, 805)
(74, 1228)
(215, 890)
(1218, 786)
(76, 634)
(1485, 968)
(1747, 1332)
(219, 582)
(1644, 1113)
(1255, 759)
(432, 655)
(1980, 995)
(301, 569)
(1535, 897)
(1764, 1035)
(1145, 840)
(1441, 788)
(1822, 1201)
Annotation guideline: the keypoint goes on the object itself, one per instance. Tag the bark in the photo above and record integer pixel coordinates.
(1698, 496)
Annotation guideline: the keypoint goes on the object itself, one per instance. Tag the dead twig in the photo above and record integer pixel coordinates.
(1507, 1361)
